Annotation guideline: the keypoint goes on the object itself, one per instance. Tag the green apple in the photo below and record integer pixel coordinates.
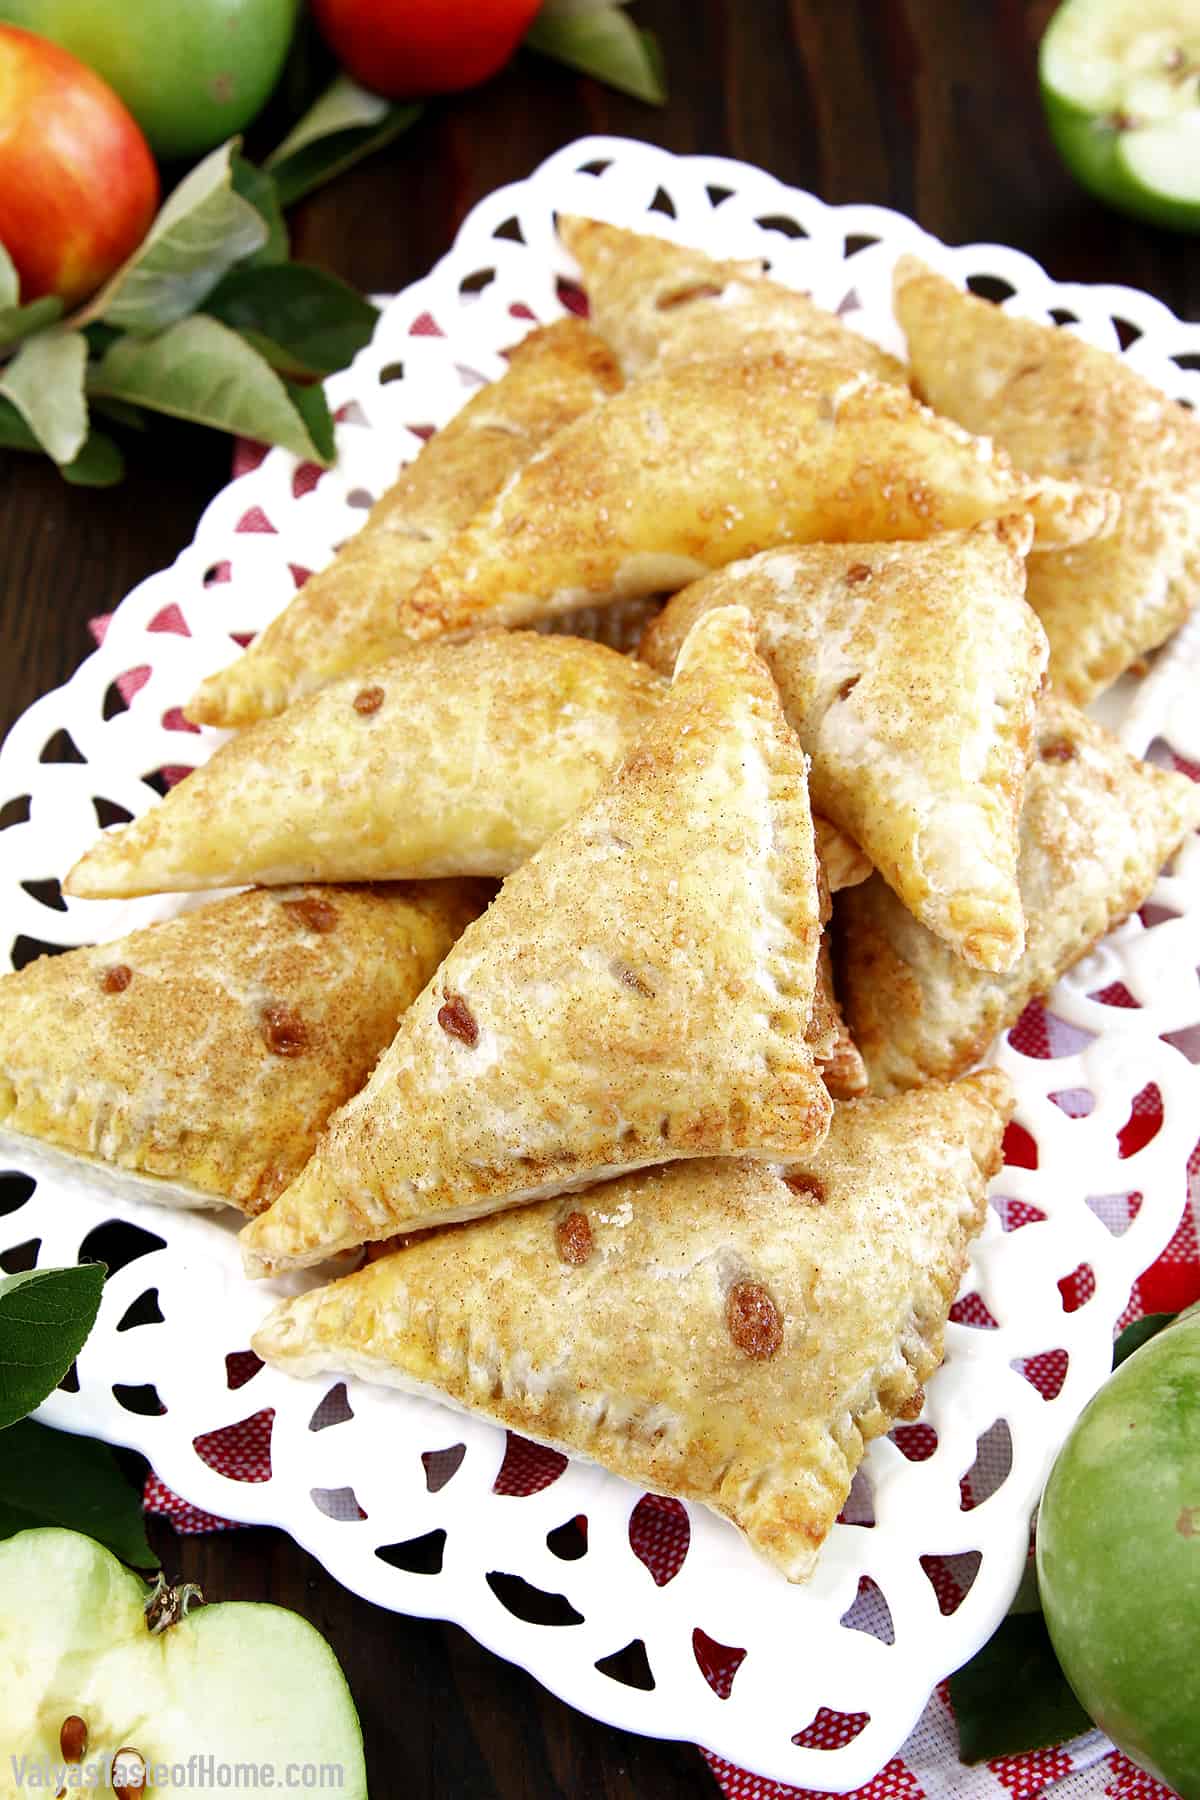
(100, 1671)
(1121, 86)
(192, 72)
(1118, 1556)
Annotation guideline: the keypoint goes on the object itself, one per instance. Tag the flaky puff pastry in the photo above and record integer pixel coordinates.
(454, 759)
(910, 673)
(657, 303)
(717, 1330)
(688, 469)
(1060, 407)
(1097, 827)
(209, 1050)
(639, 991)
(345, 614)
(835, 1053)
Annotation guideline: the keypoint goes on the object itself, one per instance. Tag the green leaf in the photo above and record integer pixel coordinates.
(346, 123)
(1013, 1696)
(99, 463)
(256, 186)
(311, 404)
(205, 227)
(1138, 1333)
(201, 370)
(602, 42)
(17, 322)
(304, 321)
(10, 286)
(45, 1318)
(51, 1478)
(44, 381)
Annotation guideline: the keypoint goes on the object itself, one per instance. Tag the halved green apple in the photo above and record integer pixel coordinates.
(99, 1669)
(1121, 86)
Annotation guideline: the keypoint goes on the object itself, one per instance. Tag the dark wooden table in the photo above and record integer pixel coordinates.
(929, 106)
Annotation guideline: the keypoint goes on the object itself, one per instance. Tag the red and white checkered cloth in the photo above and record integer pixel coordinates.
(927, 1768)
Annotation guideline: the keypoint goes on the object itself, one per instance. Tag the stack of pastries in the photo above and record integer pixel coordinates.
(665, 1150)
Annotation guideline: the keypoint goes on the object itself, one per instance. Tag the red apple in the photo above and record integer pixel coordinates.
(78, 185)
(403, 48)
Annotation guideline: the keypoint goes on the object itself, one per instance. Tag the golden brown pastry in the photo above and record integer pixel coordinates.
(1096, 829)
(345, 614)
(210, 1049)
(910, 673)
(454, 759)
(835, 1053)
(699, 464)
(657, 303)
(719, 1330)
(1062, 408)
(639, 991)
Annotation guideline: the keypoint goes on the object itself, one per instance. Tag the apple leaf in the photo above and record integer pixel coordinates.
(10, 287)
(256, 186)
(45, 1318)
(205, 227)
(17, 321)
(1013, 1696)
(44, 381)
(345, 124)
(602, 41)
(304, 321)
(201, 370)
(53, 1478)
(99, 463)
(1139, 1332)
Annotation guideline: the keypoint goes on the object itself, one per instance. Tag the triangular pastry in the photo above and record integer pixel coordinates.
(452, 759)
(658, 302)
(910, 673)
(639, 991)
(699, 464)
(1060, 407)
(345, 614)
(718, 1330)
(1097, 827)
(210, 1049)
(455, 759)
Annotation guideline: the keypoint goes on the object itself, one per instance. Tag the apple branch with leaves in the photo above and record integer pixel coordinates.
(209, 320)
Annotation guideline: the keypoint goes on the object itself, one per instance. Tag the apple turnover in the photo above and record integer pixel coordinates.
(1097, 827)
(1062, 408)
(657, 302)
(209, 1050)
(455, 759)
(910, 673)
(639, 991)
(694, 466)
(718, 1330)
(345, 614)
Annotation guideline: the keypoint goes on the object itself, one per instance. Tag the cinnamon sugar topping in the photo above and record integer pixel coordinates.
(369, 700)
(457, 1018)
(574, 1234)
(753, 1320)
(116, 979)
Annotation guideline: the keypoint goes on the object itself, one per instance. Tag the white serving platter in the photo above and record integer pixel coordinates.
(802, 1652)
